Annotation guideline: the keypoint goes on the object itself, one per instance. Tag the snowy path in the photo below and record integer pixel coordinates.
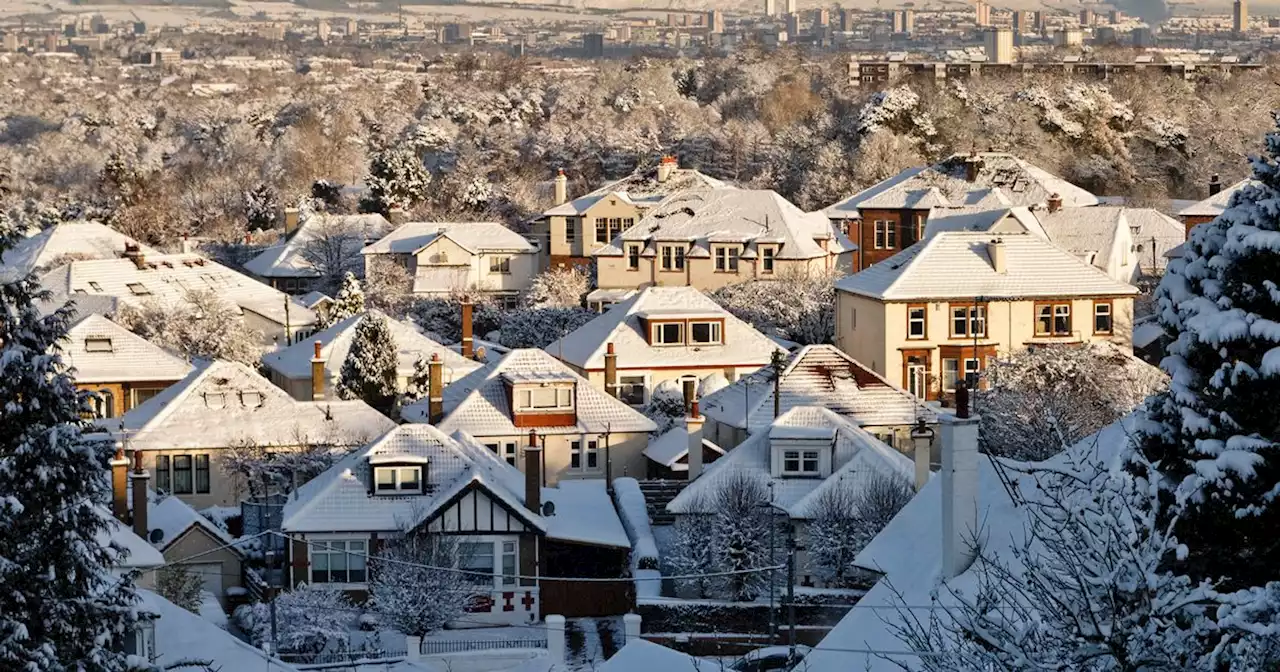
(592, 653)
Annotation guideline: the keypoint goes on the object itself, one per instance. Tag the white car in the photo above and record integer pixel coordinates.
(770, 658)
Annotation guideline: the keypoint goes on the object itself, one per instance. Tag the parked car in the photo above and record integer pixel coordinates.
(769, 659)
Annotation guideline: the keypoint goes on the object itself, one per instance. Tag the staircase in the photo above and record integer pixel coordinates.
(657, 494)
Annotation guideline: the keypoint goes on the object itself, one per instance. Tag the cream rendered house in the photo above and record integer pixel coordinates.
(584, 433)
(715, 237)
(943, 309)
(662, 334)
(444, 257)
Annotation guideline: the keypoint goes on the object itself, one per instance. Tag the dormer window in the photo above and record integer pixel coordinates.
(705, 333)
(98, 344)
(542, 399)
(397, 480)
(668, 333)
(801, 452)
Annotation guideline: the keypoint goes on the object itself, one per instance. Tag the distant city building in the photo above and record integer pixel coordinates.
(353, 27)
(770, 7)
(1116, 17)
(1105, 35)
(1240, 17)
(51, 42)
(793, 23)
(999, 44)
(1069, 36)
(139, 27)
(1143, 38)
(846, 20)
(99, 25)
(323, 30)
(593, 45)
(904, 21)
(792, 7)
(623, 33)
(1023, 21)
(457, 33)
(715, 21)
(10, 41)
(272, 31)
(1087, 17)
(982, 13)
(821, 19)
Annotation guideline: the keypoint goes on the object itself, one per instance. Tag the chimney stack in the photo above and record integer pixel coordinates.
(690, 388)
(1055, 203)
(922, 444)
(959, 486)
(291, 221)
(317, 374)
(610, 371)
(435, 389)
(972, 166)
(999, 256)
(468, 349)
(120, 485)
(693, 425)
(667, 167)
(134, 253)
(1215, 185)
(533, 474)
(562, 188)
(140, 478)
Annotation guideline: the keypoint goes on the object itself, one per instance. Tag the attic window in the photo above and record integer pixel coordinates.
(397, 480)
(98, 344)
(95, 286)
(251, 398)
(215, 399)
(138, 289)
(704, 333)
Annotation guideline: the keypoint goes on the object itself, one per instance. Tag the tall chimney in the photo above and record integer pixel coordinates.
(1055, 202)
(959, 486)
(667, 167)
(610, 371)
(435, 389)
(120, 485)
(999, 256)
(533, 474)
(134, 253)
(291, 217)
(1215, 185)
(690, 388)
(468, 350)
(317, 374)
(562, 188)
(693, 425)
(922, 445)
(140, 478)
(972, 165)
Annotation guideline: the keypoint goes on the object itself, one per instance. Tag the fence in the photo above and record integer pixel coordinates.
(435, 646)
(342, 659)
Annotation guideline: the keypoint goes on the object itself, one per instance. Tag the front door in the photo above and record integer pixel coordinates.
(918, 379)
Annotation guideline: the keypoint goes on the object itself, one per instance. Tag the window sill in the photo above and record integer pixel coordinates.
(917, 338)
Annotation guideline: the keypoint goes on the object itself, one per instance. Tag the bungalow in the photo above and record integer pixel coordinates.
(324, 245)
(514, 533)
(120, 368)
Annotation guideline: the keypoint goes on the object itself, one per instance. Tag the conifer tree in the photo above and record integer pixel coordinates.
(60, 605)
(369, 372)
(1214, 433)
(348, 303)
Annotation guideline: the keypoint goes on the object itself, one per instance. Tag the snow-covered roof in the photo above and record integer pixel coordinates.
(138, 553)
(857, 456)
(958, 265)
(817, 375)
(439, 279)
(313, 299)
(622, 325)
(102, 351)
(294, 362)
(184, 636)
(641, 655)
(1088, 233)
(167, 278)
(1216, 204)
(673, 446)
(980, 218)
(478, 403)
(640, 188)
(222, 403)
(173, 518)
(1150, 228)
(475, 237)
(909, 552)
(751, 216)
(946, 183)
(289, 259)
(65, 242)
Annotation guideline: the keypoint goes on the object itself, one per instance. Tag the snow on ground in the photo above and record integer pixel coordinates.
(211, 611)
(592, 652)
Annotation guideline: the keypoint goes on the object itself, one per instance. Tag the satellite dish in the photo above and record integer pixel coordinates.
(156, 535)
(548, 509)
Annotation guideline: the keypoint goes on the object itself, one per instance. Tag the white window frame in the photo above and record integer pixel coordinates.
(1109, 313)
(717, 336)
(398, 473)
(923, 321)
(802, 458)
(98, 343)
(335, 545)
(524, 397)
(673, 257)
(499, 265)
(505, 552)
(657, 328)
(633, 256)
(643, 384)
(727, 257)
(768, 258)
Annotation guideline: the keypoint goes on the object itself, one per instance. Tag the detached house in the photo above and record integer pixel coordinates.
(801, 455)
(119, 367)
(715, 237)
(1208, 210)
(185, 432)
(295, 368)
(513, 532)
(323, 242)
(661, 334)
(891, 216)
(573, 229)
(943, 309)
(69, 241)
(584, 432)
(443, 257)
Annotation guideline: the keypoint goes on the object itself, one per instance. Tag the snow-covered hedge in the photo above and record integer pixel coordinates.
(635, 518)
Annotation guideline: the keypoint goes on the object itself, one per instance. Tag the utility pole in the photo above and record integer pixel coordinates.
(791, 590)
(773, 583)
(288, 328)
(271, 599)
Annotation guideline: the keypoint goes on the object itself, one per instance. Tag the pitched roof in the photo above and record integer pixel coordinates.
(294, 362)
(958, 265)
(751, 216)
(673, 446)
(104, 352)
(817, 375)
(1152, 228)
(1216, 204)
(478, 404)
(64, 242)
(346, 233)
(182, 635)
(1088, 233)
(475, 237)
(641, 188)
(173, 517)
(981, 218)
(168, 278)
(222, 403)
(947, 183)
(857, 456)
(622, 325)
(138, 552)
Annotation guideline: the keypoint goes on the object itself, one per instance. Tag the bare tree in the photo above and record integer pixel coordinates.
(333, 250)
(181, 586)
(414, 584)
(846, 517)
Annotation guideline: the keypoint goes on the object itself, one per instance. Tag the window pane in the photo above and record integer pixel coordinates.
(162, 473)
(202, 473)
(949, 374)
(321, 560)
(575, 455)
(564, 397)
(959, 321)
(182, 474)
(1044, 320)
(409, 478)
(386, 479)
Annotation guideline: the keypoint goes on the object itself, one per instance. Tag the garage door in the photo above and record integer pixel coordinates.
(211, 574)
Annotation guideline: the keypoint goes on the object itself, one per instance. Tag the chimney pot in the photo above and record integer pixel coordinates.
(610, 371)
(1215, 185)
(561, 187)
(119, 485)
(999, 256)
(435, 389)
(1055, 202)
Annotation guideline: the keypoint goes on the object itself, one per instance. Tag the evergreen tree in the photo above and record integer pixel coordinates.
(419, 385)
(1214, 433)
(397, 179)
(369, 372)
(60, 606)
(260, 205)
(348, 303)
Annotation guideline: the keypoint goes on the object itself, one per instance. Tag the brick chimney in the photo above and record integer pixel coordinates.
(693, 425)
(317, 374)
(959, 486)
(972, 166)
(140, 478)
(1215, 185)
(291, 220)
(435, 389)
(562, 188)
(610, 371)
(667, 167)
(134, 253)
(999, 256)
(468, 349)
(1055, 202)
(533, 474)
(120, 485)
